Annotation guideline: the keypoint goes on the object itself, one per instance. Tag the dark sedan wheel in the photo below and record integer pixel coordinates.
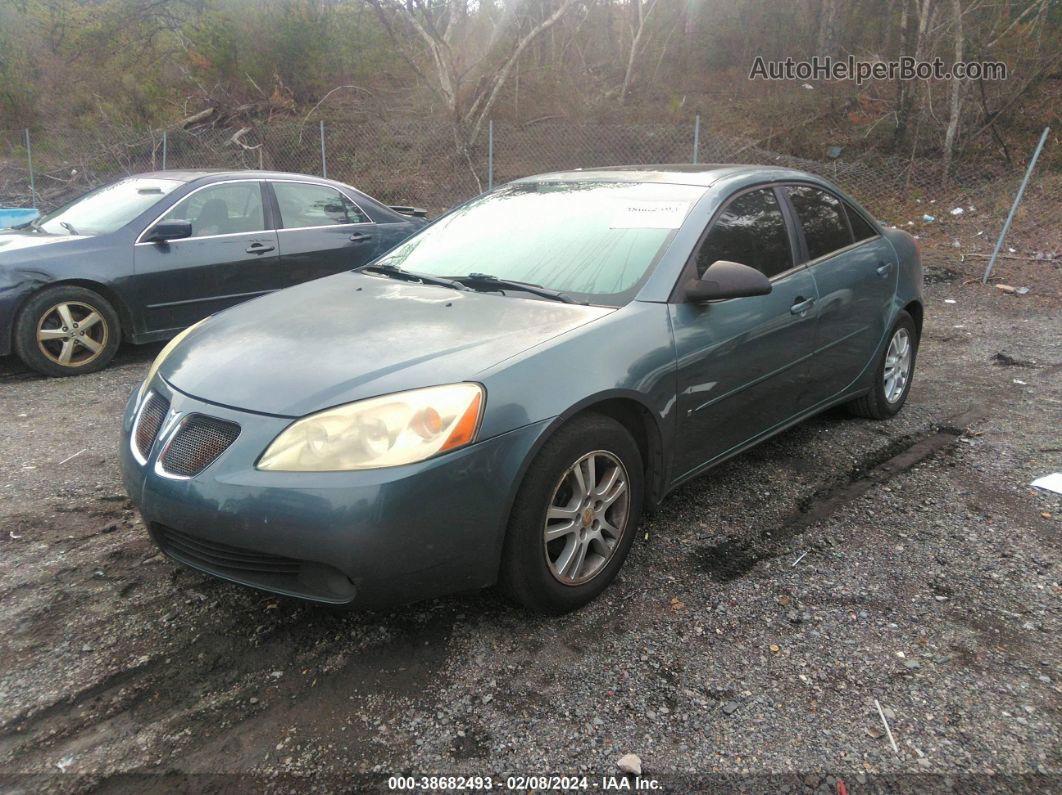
(893, 374)
(574, 518)
(67, 331)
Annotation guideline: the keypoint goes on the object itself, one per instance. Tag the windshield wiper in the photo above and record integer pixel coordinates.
(69, 227)
(488, 280)
(396, 272)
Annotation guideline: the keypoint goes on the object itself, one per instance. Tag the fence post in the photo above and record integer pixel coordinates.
(163, 150)
(696, 136)
(324, 160)
(29, 160)
(490, 155)
(1014, 207)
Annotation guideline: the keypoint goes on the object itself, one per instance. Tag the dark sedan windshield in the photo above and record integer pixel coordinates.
(107, 209)
(595, 241)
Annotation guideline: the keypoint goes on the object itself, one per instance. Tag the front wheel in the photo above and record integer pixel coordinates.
(574, 517)
(67, 330)
(893, 374)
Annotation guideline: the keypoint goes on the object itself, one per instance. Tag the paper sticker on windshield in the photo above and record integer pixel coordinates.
(636, 214)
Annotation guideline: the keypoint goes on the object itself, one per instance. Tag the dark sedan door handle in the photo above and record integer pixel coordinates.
(802, 305)
(357, 237)
(259, 248)
(884, 268)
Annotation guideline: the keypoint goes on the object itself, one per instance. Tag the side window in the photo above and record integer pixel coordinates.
(861, 229)
(751, 230)
(822, 217)
(303, 205)
(225, 209)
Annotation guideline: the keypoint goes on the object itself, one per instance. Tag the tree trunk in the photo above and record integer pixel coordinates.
(955, 104)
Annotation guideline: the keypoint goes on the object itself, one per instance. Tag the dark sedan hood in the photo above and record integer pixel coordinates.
(353, 336)
(23, 242)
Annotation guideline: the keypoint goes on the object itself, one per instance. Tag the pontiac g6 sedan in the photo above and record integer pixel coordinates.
(146, 256)
(498, 398)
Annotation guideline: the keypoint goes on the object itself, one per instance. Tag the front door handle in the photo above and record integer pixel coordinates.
(884, 268)
(357, 237)
(801, 305)
(259, 248)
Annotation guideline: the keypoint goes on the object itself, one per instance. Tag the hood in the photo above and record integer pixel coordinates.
(17, 241)
(354, 336)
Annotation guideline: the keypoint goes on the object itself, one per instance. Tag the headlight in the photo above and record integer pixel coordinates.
(166, 351)
(380, 432)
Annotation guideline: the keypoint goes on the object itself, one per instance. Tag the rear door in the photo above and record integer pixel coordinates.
(321, 230)
(231, 256)
(855, 273)
(742, 362)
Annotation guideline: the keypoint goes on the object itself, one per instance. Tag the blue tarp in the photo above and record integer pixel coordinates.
(12, 216)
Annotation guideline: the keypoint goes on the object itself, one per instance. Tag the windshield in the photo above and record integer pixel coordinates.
(594, 241)
(106, 209)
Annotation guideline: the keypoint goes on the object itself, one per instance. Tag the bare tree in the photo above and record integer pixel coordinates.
(643, 12)
(467, 67)
(955, 102)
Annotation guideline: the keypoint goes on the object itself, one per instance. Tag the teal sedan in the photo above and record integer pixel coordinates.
(498, 398)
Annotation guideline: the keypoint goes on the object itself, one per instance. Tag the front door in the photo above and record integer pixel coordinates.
(230, 257)
(743, 362)
(321, 231)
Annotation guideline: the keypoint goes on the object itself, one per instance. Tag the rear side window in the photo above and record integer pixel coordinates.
(303, 205)
(822, 217)
(751, 231)
(861, 228)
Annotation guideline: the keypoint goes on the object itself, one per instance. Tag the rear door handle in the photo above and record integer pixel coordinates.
(801, 306)
(884, 268)
(357, 237)
(259, 248)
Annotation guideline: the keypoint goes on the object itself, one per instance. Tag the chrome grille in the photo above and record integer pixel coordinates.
(148, 423)
(197, 444)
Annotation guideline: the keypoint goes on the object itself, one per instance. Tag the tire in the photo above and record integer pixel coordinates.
(876, 404)
(546, 576)
(50, 329)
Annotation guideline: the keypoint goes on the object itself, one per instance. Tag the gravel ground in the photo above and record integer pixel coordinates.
(765, 610)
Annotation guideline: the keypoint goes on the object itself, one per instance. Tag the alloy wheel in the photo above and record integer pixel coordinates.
(72, 334)
(587, 517)
(897, 365)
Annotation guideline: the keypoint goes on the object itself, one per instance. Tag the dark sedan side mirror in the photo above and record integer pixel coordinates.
(725, 279)
(169, 230)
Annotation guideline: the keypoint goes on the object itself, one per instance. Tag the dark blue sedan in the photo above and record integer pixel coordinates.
(497, 398)
(147, 256)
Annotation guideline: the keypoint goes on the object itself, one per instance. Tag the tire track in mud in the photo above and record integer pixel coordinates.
(218, 700)
(734, 557)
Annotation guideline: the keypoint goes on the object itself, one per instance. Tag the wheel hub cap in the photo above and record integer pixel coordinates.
(586, 518)
(898, 359)
(72, 334)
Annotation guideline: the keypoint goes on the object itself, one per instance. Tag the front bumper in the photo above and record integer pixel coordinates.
(368, 538)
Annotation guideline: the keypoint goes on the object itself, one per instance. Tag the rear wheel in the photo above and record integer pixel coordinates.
(574, 518)
(67, 330)
(893, 374)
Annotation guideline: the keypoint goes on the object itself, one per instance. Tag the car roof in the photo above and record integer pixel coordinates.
(702, 175)
(193, 174)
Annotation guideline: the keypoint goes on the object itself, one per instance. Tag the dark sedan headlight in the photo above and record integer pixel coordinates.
(386, 431)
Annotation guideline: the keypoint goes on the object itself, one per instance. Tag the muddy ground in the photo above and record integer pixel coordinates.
(764, 611)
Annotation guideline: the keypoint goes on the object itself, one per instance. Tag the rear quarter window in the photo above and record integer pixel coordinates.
(861, 228)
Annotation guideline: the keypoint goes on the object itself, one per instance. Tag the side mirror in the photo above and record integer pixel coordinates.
(169, 230)
(727, 280)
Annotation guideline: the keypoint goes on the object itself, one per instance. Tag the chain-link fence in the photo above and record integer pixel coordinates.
(402, 161)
